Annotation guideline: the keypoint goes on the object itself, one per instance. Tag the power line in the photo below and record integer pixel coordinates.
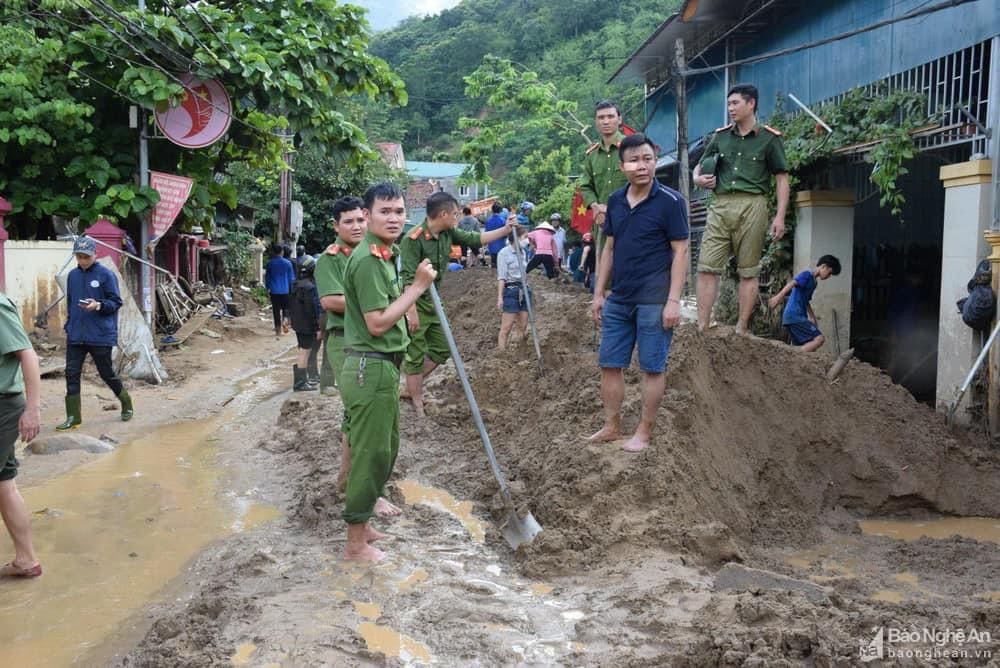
(208, 25)
(176, 14)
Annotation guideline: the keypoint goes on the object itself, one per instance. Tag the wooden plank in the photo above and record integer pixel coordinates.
(194, 323)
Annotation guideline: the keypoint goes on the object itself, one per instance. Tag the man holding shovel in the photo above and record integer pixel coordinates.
(645, 262)
(432, 240)
(376, 339)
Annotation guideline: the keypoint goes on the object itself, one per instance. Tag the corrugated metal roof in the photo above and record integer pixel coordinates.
(434, 170)
(701, 23)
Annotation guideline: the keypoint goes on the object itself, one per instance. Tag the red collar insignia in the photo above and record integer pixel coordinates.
(383, 252)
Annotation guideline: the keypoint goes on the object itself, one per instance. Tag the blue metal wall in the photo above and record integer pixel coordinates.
(819, 73)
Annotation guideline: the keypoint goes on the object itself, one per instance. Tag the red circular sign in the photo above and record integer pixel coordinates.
(202, 117)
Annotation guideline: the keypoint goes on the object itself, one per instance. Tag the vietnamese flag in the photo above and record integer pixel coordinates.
(627, 130)
(583, 218)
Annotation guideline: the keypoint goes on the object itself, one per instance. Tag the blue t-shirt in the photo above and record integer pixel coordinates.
(495, 222)
(642, 252)
(279, 274)
(798, 302)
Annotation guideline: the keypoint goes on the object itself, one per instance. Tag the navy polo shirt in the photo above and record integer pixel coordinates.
(642, 252)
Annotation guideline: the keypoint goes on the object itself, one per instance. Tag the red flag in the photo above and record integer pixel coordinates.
(583, 217)
(628, 130)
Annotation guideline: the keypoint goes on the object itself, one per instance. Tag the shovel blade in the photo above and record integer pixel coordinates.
(519, 531)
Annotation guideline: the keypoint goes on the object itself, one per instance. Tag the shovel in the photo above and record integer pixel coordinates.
(518, 251)
(516, 530)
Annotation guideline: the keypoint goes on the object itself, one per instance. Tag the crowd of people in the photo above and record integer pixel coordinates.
(365, 302)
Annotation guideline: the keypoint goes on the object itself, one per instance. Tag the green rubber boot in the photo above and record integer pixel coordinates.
(126, 400)
(73, 419)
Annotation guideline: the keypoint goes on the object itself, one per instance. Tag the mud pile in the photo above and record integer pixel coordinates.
(752, 447)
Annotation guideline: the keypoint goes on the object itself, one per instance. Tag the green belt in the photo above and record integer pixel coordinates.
(395, 358)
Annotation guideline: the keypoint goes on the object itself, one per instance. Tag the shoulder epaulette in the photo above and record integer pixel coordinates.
(332, 249)
(724, 128)
(593, 147)
(380, 251)
(415, 233)
(776, 133)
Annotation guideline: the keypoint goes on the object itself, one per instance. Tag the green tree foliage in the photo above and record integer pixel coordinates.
(72, 67)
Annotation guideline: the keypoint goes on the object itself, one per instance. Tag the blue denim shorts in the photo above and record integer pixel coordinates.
(802, 333)
(623, 325)
(513, 299)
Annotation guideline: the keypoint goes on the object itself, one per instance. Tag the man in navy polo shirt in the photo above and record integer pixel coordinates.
(644, 259)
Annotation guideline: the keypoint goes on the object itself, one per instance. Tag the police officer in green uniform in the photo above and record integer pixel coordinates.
(20, 386)
(351, 224)
(737, 165)
(602, 174)
(432, 240)
(376, 340)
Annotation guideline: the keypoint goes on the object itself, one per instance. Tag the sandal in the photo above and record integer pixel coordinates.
(12, 571)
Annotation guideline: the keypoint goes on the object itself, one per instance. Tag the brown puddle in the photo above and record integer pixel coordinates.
(393, 644)
(243, 654)
(888, 596)
(414, 492)
(541, 589)
(368, 610)
(414, 578)
(111, 534)
(983, 529)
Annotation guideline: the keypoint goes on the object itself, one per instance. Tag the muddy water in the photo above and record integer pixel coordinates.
(983, 529)
(414, 493)
(111, 534)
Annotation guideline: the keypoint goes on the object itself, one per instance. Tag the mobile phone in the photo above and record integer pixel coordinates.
(84, 301)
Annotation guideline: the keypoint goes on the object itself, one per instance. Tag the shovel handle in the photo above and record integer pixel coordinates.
(476, 415)
(518, 251)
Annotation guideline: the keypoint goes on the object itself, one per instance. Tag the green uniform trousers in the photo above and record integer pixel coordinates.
(737, 225)
(428, 342)
(334, 363)
(371, 398)
(327, 376)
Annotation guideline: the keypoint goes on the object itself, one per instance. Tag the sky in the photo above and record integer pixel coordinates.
(384, 14)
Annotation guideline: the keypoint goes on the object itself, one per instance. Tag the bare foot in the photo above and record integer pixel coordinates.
(606, 434)
(385, 509)
(636, 444)
(404, 392)
(418, 407)
(364, 553)
(371, 535)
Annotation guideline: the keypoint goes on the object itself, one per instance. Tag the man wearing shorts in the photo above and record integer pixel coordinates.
(20, 385)
(737, 165)
(645, 261)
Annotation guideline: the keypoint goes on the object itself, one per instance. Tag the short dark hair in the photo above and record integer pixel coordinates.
(746, 91)
(300, 249)
(344, 204)
(607, 104)
(632, 141)
(277, 250)
(497, 207)
(385, 190)
(438, 202)
(467, 211)
(830, 261)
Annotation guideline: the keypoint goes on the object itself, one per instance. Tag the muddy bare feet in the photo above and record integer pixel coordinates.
(385, 509)
(636, 444)
(371, 535)
(404, 392)
(364, 553)
(418, 407)
(607, 433)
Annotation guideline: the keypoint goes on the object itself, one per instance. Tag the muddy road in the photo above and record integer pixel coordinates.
(777, 520)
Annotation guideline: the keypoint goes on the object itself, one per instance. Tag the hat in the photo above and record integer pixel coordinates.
(307, 263)
(587, 236)
(527, 205)
(85, 246)
(545, 226)
(555, 216)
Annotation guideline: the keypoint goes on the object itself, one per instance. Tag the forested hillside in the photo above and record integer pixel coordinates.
(574, 44)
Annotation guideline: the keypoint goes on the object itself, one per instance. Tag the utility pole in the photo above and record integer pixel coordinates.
(146, 276)
(285, 193)
(680, 92)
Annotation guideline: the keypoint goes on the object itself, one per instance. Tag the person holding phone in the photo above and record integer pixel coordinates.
(91, 328)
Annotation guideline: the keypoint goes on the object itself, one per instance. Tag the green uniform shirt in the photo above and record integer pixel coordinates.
(745, 163)
(329, 274)
(602, 174)
(12, 339)
(371, 284)
(420, 244)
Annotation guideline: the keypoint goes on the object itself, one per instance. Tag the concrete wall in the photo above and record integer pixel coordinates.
(31, 268)
(825, 226)
(967, 213)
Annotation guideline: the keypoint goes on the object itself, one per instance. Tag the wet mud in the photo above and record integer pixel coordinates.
(830, 509)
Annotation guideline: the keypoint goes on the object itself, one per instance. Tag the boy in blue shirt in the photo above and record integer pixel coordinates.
(798, 318)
